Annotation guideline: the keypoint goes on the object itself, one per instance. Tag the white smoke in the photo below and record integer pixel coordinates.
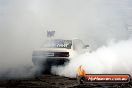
(23, 24)
(109, 19)
(115, 57)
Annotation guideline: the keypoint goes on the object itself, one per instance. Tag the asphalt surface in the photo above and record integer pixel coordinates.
(53, 81)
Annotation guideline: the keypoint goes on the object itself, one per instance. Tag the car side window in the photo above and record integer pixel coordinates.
(77, 44)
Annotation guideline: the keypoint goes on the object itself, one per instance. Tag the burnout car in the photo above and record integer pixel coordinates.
(56, 52)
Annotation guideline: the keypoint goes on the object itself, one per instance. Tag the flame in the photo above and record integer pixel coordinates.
(81, 71)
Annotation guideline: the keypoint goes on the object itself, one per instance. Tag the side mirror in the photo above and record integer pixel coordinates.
(86, 46)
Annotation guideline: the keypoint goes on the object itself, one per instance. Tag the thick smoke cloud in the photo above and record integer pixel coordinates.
(23, 24)
(112, 58)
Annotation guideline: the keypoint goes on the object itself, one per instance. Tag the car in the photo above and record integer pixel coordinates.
(56, 52)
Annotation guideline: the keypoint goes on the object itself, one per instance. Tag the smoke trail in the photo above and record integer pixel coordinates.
(115, 58)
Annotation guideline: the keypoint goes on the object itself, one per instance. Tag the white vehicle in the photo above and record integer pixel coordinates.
(56, 52)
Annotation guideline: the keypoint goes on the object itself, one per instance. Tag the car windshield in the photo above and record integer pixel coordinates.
(58, 43)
